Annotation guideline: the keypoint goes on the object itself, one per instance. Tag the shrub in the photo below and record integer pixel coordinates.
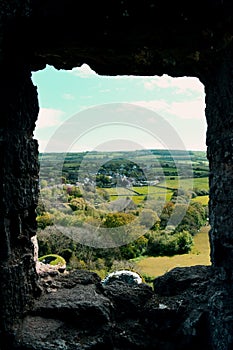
(170, 244)
(184, 242)
(44, 220)
(147, 278)
(117, 219)
(149, 218)
(76, 263)
(77, 204)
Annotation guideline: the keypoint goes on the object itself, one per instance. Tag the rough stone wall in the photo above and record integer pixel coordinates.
(19, 190)
(115, 37)
(219, 114)
(80, 313)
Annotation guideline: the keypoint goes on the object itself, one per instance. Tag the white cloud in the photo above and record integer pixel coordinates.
(86, 97)
(155, 105)
(83, 72)
(105, 90)
(150, 85)
(193, 109)
(49, 117)
(120, 89)
(68, 97)
(181, 84)
(188, 109)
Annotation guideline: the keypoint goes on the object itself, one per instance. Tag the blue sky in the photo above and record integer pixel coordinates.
(177, 102)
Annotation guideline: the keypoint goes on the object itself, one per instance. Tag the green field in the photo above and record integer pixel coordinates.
(186, 184)
(162, 190)
(201, 199)
(102, 171)
(200, 255)
(153, 192)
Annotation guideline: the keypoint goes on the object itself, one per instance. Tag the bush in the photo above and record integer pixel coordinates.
(170, 244)
(117, 219)
(50, 240)
(148, 279)
(77, 204)
(44, 220)
(184, 242)
(73, 191)
(134, 249)
(194, 218)
(149, 218)
(76, 263)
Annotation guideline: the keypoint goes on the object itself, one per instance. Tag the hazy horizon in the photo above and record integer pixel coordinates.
(136, 150)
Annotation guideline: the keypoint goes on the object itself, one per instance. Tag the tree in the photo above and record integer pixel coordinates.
(117, 219)
(134, 249)
(169, 244)
(184, 242)
(43, 184)
(44, 220)
(40, 207)
(77, 204)
(103, 180)
(149, 218)
(166, 213)
(194, 218)
(63, 180)
(52, 241)
(73, 191)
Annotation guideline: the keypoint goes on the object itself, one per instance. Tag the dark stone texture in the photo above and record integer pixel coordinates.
(81, 305)
(189, 309)
(114, 37)
(128, 299)
(219, 107)
(181, 279)
(19, 190)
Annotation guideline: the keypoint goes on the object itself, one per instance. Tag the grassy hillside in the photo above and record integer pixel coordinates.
(200, 255)
(201, 199)
(186, 184)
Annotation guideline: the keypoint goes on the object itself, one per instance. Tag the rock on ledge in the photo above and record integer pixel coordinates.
(82, 313)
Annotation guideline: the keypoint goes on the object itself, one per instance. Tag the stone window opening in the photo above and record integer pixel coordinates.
(191, 307)
(189, 103)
